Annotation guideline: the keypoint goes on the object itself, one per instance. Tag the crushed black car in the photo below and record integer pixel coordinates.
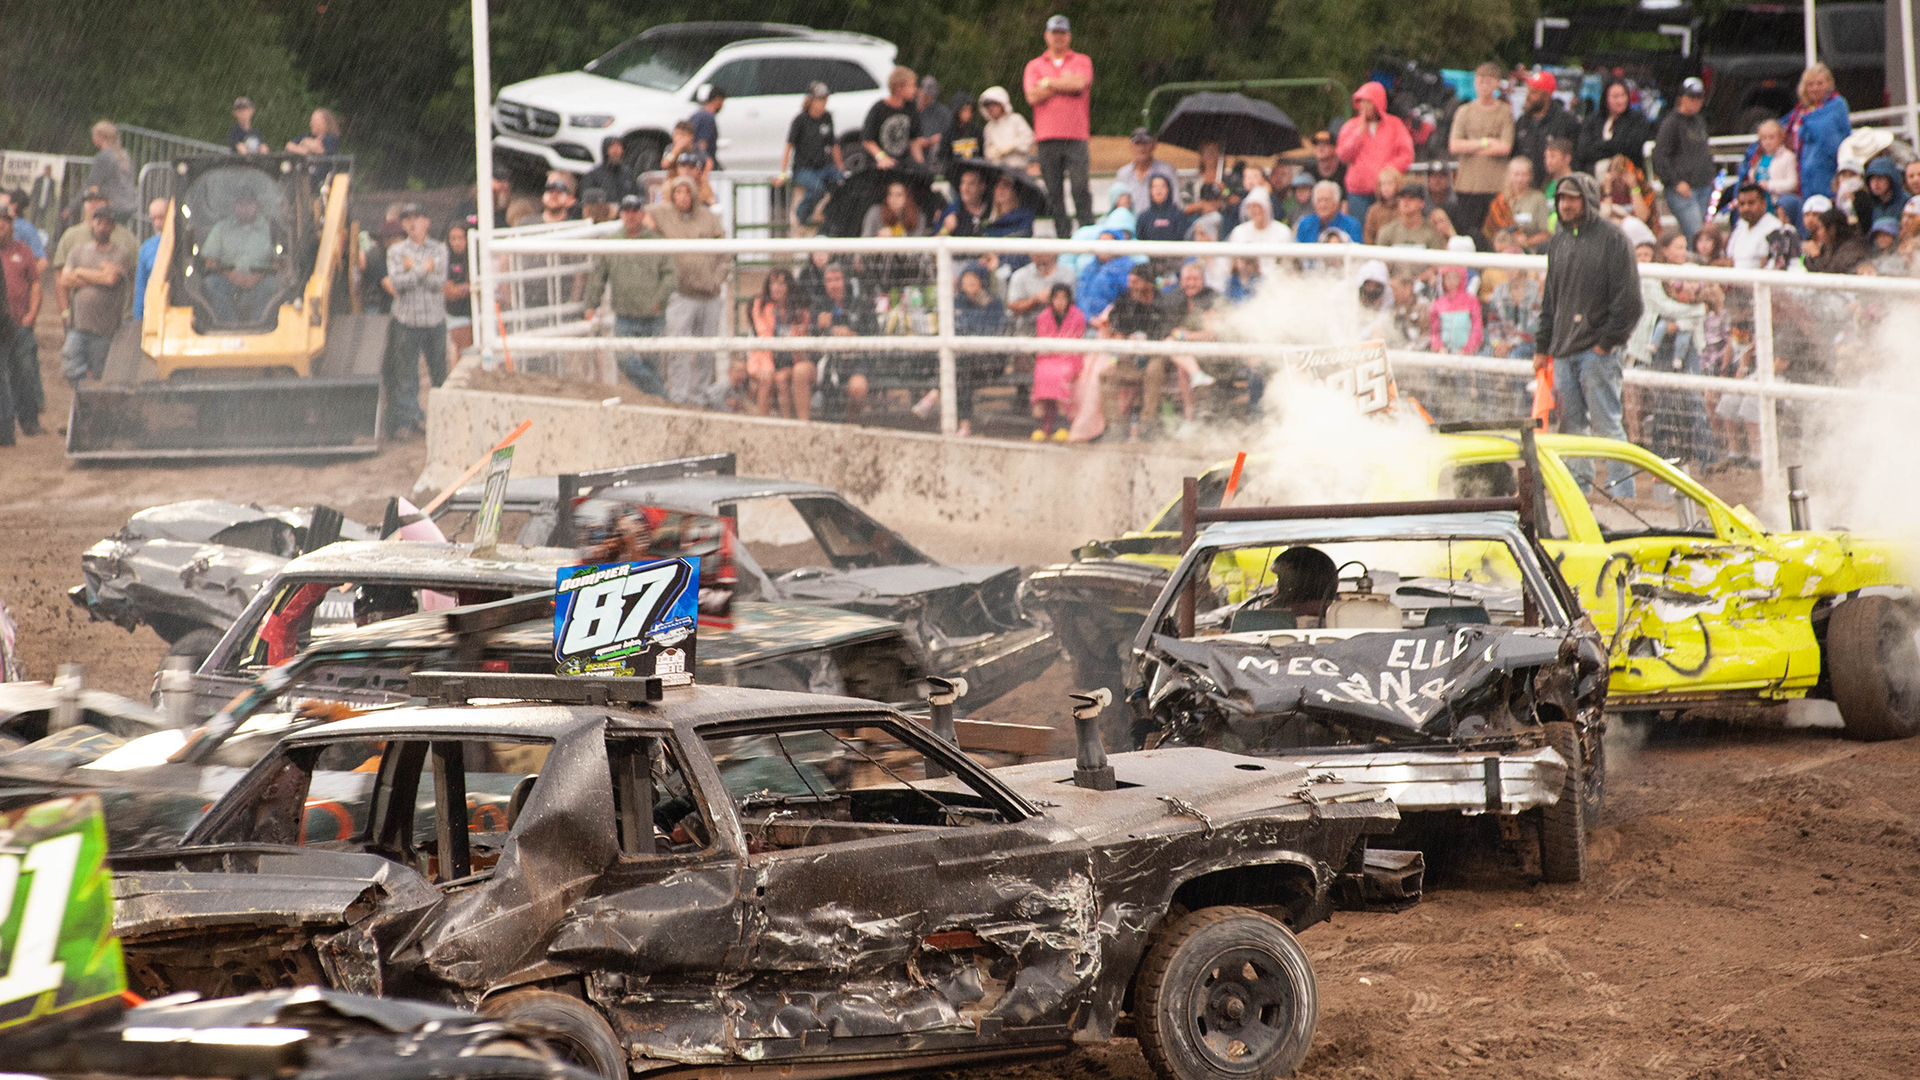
(1430, 648)
(804, 543)
(716, 877)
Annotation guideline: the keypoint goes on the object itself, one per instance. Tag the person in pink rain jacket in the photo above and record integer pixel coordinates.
(1457, 328)
(1054, 373)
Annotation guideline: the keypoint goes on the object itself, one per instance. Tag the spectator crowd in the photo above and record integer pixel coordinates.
(1502, 173)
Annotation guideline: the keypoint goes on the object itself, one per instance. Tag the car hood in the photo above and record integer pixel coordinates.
(1397, 682)
(585, 91)
(1223, 786)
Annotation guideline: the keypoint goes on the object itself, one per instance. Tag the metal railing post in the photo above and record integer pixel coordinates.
(485, 306)
(1771, 492)
(943, 311)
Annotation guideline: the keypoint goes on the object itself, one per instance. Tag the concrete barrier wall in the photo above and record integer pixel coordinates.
(960, 500)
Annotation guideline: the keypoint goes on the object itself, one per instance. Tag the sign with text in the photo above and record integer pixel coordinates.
(628, 618)
(1360, 370)
(486, 528)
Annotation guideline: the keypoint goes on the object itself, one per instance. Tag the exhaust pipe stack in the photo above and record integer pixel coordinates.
(1798, 517)
(941, 694)
(1090, 768)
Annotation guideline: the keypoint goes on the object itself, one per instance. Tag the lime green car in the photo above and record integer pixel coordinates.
(1699, 603)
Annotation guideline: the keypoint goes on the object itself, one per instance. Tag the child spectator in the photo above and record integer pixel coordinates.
(1455, 319)
(1006, 139)
(1054, 373)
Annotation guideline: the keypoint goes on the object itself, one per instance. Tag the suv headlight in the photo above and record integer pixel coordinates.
(591, 120)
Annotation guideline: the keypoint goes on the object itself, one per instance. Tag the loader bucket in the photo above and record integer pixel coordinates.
(248, 418)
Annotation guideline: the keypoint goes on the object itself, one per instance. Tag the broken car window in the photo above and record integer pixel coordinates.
(778, 538)
(1359, 585)
(851, 539)
(1629, 500)
(656, 811)
(813, 785)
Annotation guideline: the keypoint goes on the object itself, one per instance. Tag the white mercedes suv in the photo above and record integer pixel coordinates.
(640, 89)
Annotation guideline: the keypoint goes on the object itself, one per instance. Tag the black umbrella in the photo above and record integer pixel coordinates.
(1241, 125)
(1029, 192)
(867, 188)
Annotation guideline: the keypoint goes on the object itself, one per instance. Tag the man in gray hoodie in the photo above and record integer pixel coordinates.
(1588, 308)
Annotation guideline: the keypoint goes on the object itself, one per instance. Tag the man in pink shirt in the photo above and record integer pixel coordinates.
(1059, 84)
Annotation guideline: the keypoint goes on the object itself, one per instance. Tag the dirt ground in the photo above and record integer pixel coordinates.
(1752, 908)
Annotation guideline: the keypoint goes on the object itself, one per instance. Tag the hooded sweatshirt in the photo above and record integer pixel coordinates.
(698, 276)
(1591, 299)
(1008, 140)
(1455, 325)
(1866, 208)
(1367, 152)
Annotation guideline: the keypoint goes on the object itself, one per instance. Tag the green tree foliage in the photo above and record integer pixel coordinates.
(175, 67)
(399, 71)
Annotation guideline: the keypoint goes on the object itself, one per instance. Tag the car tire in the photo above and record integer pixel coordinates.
(1874, 666)
(196, 646)
(1563, 826)
(643, 153)
(574, 1029)
(1225, 993)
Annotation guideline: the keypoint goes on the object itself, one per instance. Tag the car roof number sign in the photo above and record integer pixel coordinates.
(627, 618)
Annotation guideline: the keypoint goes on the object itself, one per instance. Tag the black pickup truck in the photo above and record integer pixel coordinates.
(1749, 55)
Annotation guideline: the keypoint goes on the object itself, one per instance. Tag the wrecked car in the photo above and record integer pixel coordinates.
(1701, 607)
(188, 569)
(717, 877)
(804, 543)
(158, 773)
(353, 586)
(1430, 648)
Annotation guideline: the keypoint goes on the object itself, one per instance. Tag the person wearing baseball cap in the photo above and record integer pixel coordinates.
(1683, 160)
(1059, 86)
(1137, 175)
(241, 137)
(1542, 118)
(417, 275)
(80, 232)
(812, 153)
(642, 285)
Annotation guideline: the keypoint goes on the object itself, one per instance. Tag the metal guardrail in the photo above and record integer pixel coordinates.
(573, 336)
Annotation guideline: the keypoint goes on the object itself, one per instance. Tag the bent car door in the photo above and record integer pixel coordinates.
(892, 902)
(1684, 591)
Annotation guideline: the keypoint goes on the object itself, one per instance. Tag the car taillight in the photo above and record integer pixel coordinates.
(493, 665)
(1706, 79)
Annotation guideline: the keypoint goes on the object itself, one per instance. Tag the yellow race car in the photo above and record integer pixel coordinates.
(1699, 604)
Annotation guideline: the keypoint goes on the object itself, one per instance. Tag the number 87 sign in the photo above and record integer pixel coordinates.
(631, 618)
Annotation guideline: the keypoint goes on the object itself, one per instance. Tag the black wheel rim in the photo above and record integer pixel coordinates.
(1241, 1010)
(1900, 661)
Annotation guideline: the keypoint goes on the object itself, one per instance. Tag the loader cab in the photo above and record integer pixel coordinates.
(246, 236)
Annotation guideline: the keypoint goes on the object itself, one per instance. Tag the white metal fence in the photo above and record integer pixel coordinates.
(543, 320)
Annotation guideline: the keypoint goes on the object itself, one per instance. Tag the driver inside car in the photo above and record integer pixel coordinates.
(1305, 581)
(238, 255)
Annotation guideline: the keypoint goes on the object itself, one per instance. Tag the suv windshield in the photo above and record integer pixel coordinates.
(661, 63)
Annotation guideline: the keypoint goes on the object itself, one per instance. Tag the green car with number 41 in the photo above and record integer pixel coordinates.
(1700, 605)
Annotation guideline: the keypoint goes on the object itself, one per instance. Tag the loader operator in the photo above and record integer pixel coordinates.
(239, 257)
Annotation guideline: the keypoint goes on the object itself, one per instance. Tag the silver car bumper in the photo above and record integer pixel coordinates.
(1468, 783)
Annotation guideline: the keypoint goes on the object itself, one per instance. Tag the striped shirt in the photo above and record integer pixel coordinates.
(419, 294)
